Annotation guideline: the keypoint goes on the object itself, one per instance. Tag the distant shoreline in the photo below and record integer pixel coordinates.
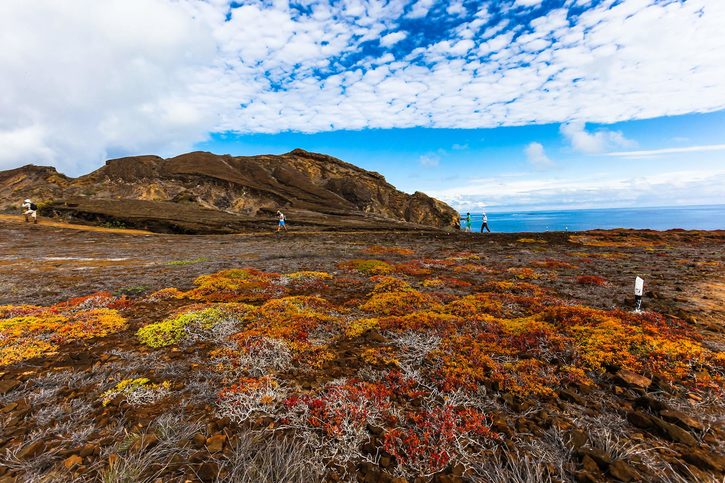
(662, 218)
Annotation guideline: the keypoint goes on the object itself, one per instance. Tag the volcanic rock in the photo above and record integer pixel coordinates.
(640, 419)
(622, 471)
(8, 385)
(216, 443)
(675, 433)
(701, 459)
(681, 419)
(73, 460)
(633, 379)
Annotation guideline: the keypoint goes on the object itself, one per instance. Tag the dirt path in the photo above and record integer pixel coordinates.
(45, 223)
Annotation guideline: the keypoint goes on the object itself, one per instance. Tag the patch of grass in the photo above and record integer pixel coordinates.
(132, 290)
(176, 263)
(114, 224)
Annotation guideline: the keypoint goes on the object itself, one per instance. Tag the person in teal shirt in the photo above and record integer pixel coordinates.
(468, 222)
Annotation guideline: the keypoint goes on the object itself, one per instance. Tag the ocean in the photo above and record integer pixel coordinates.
(710, 217)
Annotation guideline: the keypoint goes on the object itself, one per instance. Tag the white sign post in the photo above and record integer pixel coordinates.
(638, 291)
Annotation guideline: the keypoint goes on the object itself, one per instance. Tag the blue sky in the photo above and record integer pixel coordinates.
(666, 161)
(508, 104)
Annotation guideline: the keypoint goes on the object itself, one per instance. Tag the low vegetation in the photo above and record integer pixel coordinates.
(386, 369)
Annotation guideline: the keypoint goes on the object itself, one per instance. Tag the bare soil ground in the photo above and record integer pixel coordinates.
(54, 425)
(46, 263)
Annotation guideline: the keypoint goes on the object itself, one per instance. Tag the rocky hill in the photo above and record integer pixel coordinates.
(202, 192)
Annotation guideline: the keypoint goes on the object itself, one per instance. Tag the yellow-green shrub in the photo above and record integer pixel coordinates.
(173, 329)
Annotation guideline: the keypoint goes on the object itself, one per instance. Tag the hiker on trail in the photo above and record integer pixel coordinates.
(484, 224)
(30, 210)
(468, 222)
(281, 221)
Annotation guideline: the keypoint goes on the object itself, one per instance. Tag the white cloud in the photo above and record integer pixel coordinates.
(658, 152)
(528, 3)
(455, 7)
(536, 156)
(663, 189)
(593, 142)
(429, 160)
(85, 80)
(420, 8)
(392, 38)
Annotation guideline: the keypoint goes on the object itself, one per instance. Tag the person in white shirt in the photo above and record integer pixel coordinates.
(281, 221)
(30, 210)
(484, 224)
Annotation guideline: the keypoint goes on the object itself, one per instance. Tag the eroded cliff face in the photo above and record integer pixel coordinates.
(35, 182)
(307, 185)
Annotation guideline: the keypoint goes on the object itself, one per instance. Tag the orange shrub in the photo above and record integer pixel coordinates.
(413, 268)
(399, 302)
(236, 285)
(27, 336)
(591, 280)
(385, 284)
(524, 273)
(381, 250)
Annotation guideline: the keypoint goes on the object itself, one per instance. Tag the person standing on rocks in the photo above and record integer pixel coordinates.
(468, 222)
(282, 219)
(30, 211)
(484, 223)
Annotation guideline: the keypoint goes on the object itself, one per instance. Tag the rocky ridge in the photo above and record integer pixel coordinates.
(201, 192)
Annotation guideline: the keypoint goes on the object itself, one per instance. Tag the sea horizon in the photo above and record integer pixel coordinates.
(660, 218)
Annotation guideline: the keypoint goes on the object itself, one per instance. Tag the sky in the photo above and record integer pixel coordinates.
(487, 105)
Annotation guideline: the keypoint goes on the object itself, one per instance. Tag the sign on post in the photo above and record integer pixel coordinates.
(638, 291)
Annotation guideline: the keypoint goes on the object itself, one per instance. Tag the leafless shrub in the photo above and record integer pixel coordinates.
(172, 427)
(216, 334)
(147, 395)
(414, 346)
(56, 379)
(43, 395)
(33, 468)
(255, 401)
(171, 370)
(608, 432)
(661, 471)
(510, 466)
(268, 458)
(80, 434)
(136, 361)
(13, 396)
(151, 463)
(260, 355)
(201, 388)
(141, 466)
(553, 450)
(50, 413)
